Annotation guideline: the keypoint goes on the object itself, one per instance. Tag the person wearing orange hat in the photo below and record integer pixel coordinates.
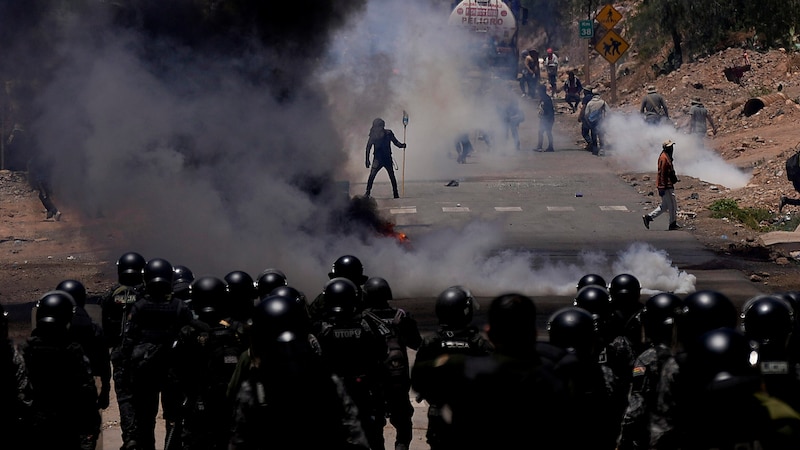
(551, 67)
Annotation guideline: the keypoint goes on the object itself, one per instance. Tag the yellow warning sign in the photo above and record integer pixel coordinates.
(612, 46)
(608, 17)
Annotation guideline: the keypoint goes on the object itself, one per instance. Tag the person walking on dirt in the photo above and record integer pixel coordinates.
(665, 182)
(381, 140)
(40, 179)
(698, 117)
(653, 107)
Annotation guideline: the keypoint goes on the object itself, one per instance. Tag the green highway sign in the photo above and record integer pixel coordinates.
(586, 29)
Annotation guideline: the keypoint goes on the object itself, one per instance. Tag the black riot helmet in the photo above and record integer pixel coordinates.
(268, 280)
(54, 311)
(74, 288)
(157, 274)
(455, 307)
(658, 316)
(572, 328)
(242, 293)
(721, 357)
(350, 267)
(591, 279)
(703, 311)
(280, 327)
(293, 293)
(209, 299)
(625, 290)
(340, 297)
(181, 280)
(377, 293)
(129, 269)
(595, 299)
(767, 319)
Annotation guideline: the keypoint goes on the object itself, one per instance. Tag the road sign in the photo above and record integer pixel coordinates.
(585, 28)
(612, 46)
(608, 16)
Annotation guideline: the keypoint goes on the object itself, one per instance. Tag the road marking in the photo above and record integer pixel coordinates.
(560, 208)
(613, 208)
(507, 208)
(455, 209)
(403, 210)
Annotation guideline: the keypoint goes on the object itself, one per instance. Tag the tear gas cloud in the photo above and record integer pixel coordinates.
(636, 146)
(208, 169)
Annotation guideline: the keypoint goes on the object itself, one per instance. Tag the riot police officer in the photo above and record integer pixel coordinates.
(181, 280)
(116, 305)
(268, 280)
(592, 279)
(207, 353)
(291, 399)
(768, 321)
(590, 385)
(353, 351)
(64, 397)
(456, 334)
(658, 322)
(701, 311)
(506, 399)
(346, 266)
(151, 331)
(625, 291)
(15, 391)
(89, 334)
(401, 333)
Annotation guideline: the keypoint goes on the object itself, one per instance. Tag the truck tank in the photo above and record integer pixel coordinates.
(495, 24)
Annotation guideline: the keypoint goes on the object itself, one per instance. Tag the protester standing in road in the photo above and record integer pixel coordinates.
(653, 107)
(572, 90)
(381, 139)
(530, 73)
(665, 183)
(585, 130)
(547, 117)
(512, 116)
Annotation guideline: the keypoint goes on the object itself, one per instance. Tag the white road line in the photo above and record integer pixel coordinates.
(455, 209)
(403, 210)
(560, 208)
(613, 208)
(507, 208)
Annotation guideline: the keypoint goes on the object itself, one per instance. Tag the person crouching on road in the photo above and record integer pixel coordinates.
(381, 139)
(666, 188)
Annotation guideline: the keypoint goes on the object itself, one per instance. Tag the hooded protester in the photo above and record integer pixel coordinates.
(381, 139)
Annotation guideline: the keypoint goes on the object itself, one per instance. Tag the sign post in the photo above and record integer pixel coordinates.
(586, 31)
(403, 183)
(612, 45)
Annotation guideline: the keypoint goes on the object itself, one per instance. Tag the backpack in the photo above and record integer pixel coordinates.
(594, 117)
(793, 167)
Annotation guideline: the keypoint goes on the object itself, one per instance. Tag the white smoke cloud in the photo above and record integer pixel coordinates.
(636, 146)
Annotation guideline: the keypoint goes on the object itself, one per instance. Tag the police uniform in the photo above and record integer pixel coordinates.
(467, 341)
(400, 332)
(355, 353)
(151, 330)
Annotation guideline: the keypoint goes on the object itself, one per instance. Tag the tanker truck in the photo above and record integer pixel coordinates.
(494, 27)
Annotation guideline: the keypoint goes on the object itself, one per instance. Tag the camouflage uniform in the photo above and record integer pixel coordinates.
(642, 399)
